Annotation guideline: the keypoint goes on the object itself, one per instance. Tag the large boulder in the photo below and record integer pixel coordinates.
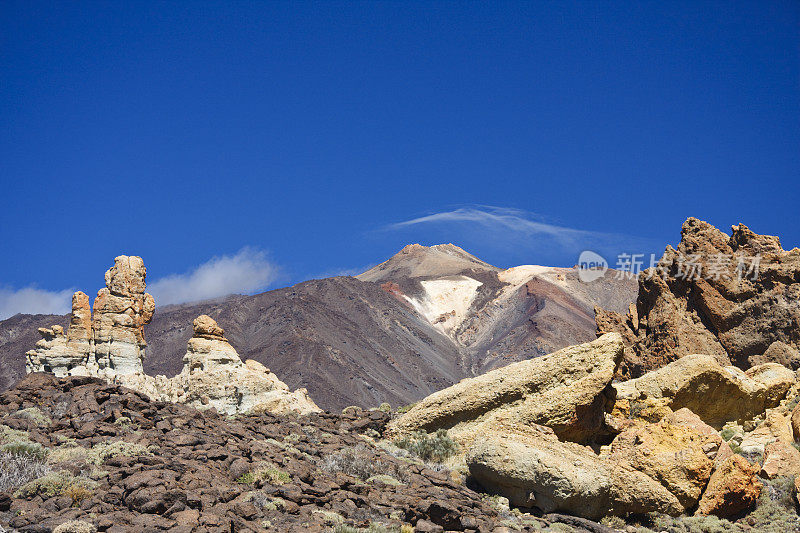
(677, 452)
(715, 393)
(780, 459)
(566, 390)
(532, 468)
(729, 296)
(733, 488)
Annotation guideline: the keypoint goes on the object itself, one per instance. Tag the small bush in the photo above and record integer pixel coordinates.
(77, 493)
(385, 479)
(75, 526)
(360, 461)
(434, 447)
(385, 407)
(405, 408)
(266, 503)
(103, 451)
(32, 449)
(13, 435)
(268, 473)
(54, 484)
(374, 527)
(727, 434)
(67, 454)
(17, 470)
(34, 414)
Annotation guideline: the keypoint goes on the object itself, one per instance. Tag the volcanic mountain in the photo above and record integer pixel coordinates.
(417, 323)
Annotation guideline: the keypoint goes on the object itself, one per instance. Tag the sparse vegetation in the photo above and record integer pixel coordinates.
(32, 449)
(385, 479)
(35, 414)
(56, 484)
(359, 461)
(75, 526)
(405, 408)
(429, 447)
(17, 470)
(268, 473)
(727, 433)
(385, 407)
(103, 451)
(374, 527)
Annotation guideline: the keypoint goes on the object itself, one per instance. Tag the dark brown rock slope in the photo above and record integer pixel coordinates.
(697, 302)
(177, 469)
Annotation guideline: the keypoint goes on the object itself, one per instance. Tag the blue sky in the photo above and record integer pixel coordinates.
(239, 145)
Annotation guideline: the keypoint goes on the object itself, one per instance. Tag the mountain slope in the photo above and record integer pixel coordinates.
(419, 322)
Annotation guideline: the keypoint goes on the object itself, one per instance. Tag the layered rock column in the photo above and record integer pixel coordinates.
(120, 312)
(67, 353)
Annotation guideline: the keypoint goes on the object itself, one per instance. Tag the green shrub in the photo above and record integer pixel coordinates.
(268, 473)
(67, 454)
(13, 435)
(727, 434)
(33, 449)
(434, 447)
(385, 407)
(54, 484)
(406, 408)
(34, 414)
(103, 451)
(385, 479)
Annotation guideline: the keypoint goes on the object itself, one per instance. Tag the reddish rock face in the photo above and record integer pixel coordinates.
(733, 488)
(732, 297)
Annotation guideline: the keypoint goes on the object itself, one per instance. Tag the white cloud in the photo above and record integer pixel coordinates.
(247, 272)
(31, 300)
(505, 219)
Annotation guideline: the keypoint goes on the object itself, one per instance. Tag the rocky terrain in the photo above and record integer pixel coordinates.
(379, 337)
(735, 297)
(681, 417)
(98, 456)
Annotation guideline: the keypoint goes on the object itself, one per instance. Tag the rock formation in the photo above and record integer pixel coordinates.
(736, 298)
(732, 489)
(214, 376)
(109, 343)
(716, 394)
(653, 442)
(120, 312)
(532, 468)
(65, 354)
(565, 391)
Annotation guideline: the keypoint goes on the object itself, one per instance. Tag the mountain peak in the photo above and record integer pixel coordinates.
(416, 261)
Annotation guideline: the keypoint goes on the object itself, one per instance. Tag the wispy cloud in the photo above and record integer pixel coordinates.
(33, 301)
(246, 272)
(502, 219)
(515, 234)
